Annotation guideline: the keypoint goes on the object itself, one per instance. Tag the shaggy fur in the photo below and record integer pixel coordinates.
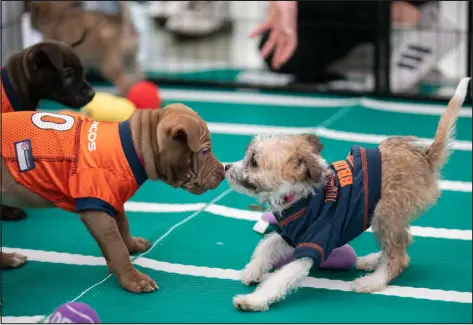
(277, 165)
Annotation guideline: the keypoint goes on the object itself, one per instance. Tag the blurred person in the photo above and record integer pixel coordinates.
(192, 18)
(303, 38)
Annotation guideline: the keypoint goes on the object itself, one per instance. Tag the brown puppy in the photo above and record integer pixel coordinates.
(93, 168)
(320, 207)
(111, 45)
(47, 70)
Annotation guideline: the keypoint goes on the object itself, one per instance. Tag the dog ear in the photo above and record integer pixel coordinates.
(48, 55)
(313, 167)
(188, 132)
(308, 157)
(182, 130)
(314, 142)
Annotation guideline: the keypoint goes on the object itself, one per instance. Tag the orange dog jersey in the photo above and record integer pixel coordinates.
(76, 163)
(10, 100)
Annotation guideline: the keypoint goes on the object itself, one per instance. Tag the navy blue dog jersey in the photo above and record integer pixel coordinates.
(338, 212)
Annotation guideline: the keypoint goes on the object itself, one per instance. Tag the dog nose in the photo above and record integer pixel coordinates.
(89, 92)
(228, 166)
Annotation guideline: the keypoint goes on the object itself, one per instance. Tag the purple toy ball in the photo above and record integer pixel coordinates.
(75, 313)
(269, 217)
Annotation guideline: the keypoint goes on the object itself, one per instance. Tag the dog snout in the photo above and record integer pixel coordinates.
(218, 176)
(88, 92)
(228, 166)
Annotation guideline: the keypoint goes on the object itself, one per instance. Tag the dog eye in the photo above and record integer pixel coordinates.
(253, 162)
(205, 151)
(68, 72)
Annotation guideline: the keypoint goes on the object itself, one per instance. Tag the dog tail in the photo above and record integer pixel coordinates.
(438, 151)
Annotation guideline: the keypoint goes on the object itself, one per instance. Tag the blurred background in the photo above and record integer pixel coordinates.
(411, 49)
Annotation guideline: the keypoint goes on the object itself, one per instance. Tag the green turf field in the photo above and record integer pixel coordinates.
(201, 241)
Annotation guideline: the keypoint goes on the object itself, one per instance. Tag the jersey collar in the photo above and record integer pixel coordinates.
(134, 161)
(10, 91)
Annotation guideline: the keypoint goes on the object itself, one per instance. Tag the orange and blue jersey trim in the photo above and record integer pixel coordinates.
(10, 92)
(135, 162)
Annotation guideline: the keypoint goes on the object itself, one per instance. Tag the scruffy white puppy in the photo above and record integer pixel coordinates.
(320, 207)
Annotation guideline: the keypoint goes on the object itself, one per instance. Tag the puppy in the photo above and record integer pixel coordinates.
(320, 207)
(47, 70)
(112, 42)
(92, 168)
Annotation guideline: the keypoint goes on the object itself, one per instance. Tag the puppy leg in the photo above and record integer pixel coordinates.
(275, 287)
(12, 260)
(268, 252)
(105, 231)
(134, 244)
(370, 261)
(390, 230)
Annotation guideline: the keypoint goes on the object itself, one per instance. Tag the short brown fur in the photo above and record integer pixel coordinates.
(175, 145)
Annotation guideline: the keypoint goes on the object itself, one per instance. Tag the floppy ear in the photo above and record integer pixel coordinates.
(314, 142)
(47, 56)
(187, 131)
(314, 169)
(309, 156)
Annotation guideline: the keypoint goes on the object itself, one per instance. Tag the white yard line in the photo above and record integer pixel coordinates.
(254, 129)
(244, 97)
(241, 214)
(230, 274)
(170, 230)
(21, 319)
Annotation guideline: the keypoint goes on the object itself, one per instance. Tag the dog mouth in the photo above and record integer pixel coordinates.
(239, 183)
(248, 185)
(212, 181)
(78, 100)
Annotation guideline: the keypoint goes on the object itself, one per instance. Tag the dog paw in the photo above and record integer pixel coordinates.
(13, 260)
(369, 284)
(249, 303)
(250, 275)
(139, 245)
(138, 282)
(368, 262)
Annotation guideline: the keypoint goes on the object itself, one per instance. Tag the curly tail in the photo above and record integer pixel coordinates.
(438, 151)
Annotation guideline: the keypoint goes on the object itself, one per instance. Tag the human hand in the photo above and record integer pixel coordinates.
(282, 23)
(405, 14)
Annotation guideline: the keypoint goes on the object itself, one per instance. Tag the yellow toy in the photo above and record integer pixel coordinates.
(105, 107)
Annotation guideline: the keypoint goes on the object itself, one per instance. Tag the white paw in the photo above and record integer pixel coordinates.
(249, 303)
(17, 259)
(250, 274)
(368, 262)
(370, 283)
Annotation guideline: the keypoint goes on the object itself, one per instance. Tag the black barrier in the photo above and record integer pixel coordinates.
(469, 47)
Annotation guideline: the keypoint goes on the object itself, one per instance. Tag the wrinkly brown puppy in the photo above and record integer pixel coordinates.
(320, 207)
(111, 45)
(46, 70)
(92, 168)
